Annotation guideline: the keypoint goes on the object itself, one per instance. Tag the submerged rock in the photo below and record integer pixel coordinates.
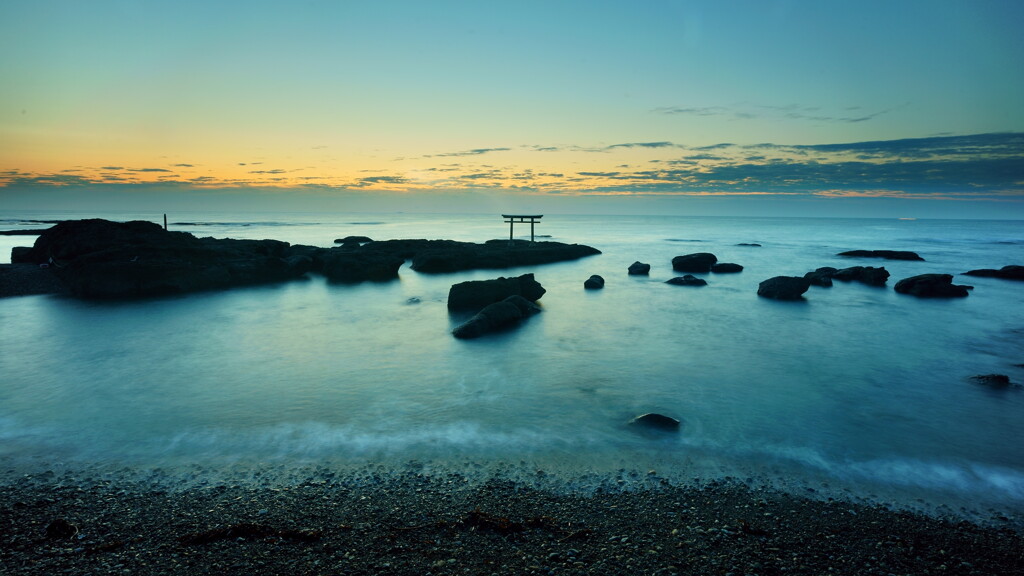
(657, 421)
(726, 268)
(783, 287)
(496, 316)
(992, 380)
(475, 294)
(639, 269)
(821, 276)
(932, 286)
(886, 254)
(865, 274)
(698, 262)
(1011, 272)
(687, 280)
(595, 282)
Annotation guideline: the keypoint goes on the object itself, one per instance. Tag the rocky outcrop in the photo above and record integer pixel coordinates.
(749, 244)
(639, 269)
(497, 316)
(1011, 272)
(783, 288)
(886, 254)
(475, 294)
(350, 240)
(657, 422)
(438, 256)
(103, 259)
(726, 268)
(698, 262)
(341, 265)
(595, 282)
(687, 280)
(821, 276)
(865, 274)
(932, 286)
(998, 381)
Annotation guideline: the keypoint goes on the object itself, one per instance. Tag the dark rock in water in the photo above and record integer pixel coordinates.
(340, 265)
(475, 294)
(931, 286)
(61, 529)
(992, 380)
(726, 268)
(496, 316)
(749, 244)
(821, 276)
(687, 280)
(699, 262)
(639, 269)
(1011, 272)
(656, 421)
(21, 255)
(103, 259)
(436, 256)
(595, 282)
(865, 274)
(886, 254)
(353, 240)
(783, 287)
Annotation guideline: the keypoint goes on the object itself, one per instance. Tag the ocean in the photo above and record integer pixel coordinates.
(855, 392)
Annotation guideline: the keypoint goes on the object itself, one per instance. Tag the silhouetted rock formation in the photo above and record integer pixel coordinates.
(821, 276)
(450, 256)
(698, 262)
(886, 254)
(931, 286)
(783, 287)
(726, 268)
(353, 240)
(687, 280)
(1011, 272)
(749, 244)
(496, 316)
(595, 282)
(357, 265)
(656, 421)
(865, 274)
(993, 380)
(639, 269)
(475, 294)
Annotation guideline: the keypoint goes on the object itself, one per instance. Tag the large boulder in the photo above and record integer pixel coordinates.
(496, 316)
(698, 262)
(475, 294)
(886, 254)
(595, 282)
(726, 268)
(639, 269)
(865, 274)
(931, 286)
(687, 280)
(1011, 272)
(783, 288)
(342, 265)
(821, 276)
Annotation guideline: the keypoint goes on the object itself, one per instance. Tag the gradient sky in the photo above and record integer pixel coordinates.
(894, 107)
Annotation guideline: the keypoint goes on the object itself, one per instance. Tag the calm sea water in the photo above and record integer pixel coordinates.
(856, 390)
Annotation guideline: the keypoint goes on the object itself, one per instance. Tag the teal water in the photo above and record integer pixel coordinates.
(856, 387)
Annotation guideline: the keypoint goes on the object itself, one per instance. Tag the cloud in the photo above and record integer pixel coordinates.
(788, 111)
(600, 174)
(694, 110)
(274, 171)
(184, 166)
(642, 145)
(473, 152)
(148, 170)
(112, 168)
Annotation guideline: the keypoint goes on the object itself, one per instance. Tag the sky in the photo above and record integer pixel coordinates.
(771, 107)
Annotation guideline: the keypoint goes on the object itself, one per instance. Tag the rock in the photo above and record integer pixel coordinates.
(103, 259)
(21, 255)
(1012, 272)
(992, 380)
(783, 287)
(865, 274)
(353, 240)
(886, 254)
(687, 280)
(496, 316)
(726, 268)
(656, 421)
(749, 244)
(61, 529)
(475, 294)
(932, 286)
(595, 282)
(821, 276)
(434, 256)
(340, 265)
(639, 269)
(698, 262)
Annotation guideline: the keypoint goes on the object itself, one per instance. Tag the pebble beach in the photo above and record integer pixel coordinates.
(447, 523)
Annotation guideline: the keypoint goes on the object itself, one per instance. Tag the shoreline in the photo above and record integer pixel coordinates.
(416, 522)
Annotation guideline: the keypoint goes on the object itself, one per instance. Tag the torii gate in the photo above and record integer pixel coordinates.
(513, 218)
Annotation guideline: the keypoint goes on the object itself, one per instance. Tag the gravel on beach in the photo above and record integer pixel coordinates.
(414, 523)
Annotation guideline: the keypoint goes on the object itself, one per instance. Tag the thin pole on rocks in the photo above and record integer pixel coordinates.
(165, 222)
